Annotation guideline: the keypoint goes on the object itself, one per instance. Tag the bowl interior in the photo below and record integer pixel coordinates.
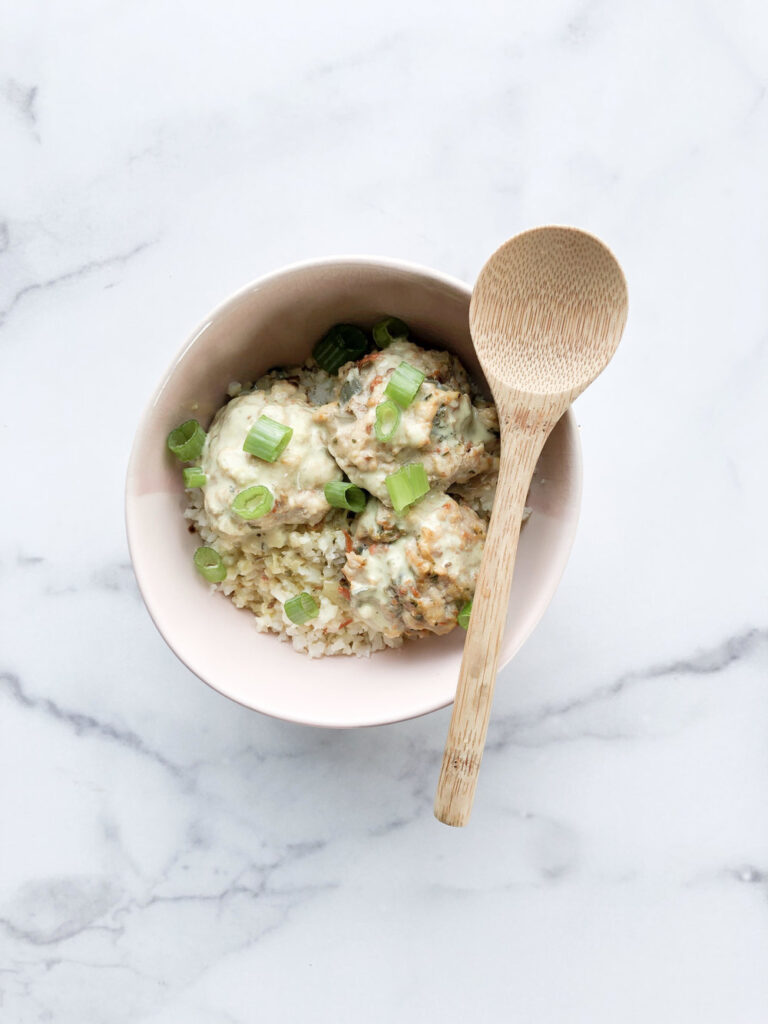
(275, 322)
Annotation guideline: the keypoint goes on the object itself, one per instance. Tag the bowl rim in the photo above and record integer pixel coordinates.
(155, 613)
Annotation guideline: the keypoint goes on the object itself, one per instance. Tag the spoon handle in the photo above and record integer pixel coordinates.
(472, 707)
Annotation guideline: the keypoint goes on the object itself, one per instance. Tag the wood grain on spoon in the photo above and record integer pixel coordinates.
(546, 316)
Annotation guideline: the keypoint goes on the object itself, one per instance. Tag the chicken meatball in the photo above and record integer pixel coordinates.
(296, 479)
(441, 428)
(411, 573)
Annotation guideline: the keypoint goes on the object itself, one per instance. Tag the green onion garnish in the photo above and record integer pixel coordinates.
(301, 608)
(387, 420)
(463, 619)
(407, 485)
(341, 344)
(388, 330)
(267, 439)
(404, 384)
(342, 494)
(194, 477)
(186, 441)
(253, 502)
(209, 564)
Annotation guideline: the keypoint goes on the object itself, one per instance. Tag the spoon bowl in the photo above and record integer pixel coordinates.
(547, 312)
(546, 316)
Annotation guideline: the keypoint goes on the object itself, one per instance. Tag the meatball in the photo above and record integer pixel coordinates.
(296, 479)
(412, 573)
(441, 428)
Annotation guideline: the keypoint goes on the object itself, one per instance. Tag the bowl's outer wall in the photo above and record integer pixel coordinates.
(275, 322)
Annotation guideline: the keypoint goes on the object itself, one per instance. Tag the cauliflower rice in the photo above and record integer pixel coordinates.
(291, 560)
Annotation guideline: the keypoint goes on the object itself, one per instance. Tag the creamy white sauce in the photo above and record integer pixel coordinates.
(296, 479)
(372, 599)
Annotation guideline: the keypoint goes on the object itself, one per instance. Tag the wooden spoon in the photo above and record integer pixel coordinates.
(546, 316)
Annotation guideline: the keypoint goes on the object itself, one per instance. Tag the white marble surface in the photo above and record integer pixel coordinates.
(167, 856)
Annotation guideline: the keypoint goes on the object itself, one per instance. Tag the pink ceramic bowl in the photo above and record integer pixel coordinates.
(273, 322)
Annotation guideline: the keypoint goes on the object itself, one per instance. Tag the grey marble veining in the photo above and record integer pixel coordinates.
(69, 275)
(167, 856)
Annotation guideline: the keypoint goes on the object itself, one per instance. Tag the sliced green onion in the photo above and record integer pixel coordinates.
(388, 330)
(209, 564)
(463, 619)
(341, 344)
(404, 384)
(253, 502)
(194, 477)
(267, 439)
(186, 441)
(342, 494)
(407, 485)
(387, 420)
(301, 608)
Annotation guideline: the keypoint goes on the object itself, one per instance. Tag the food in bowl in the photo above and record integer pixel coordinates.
(345, 502)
